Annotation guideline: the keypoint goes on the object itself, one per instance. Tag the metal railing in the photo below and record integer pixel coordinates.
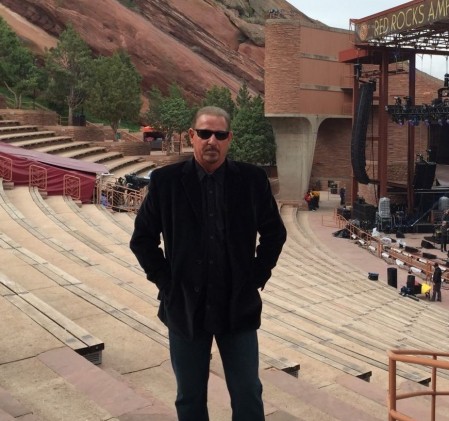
(117, 197)
(375, 245)
(5, 168)
(421, 358)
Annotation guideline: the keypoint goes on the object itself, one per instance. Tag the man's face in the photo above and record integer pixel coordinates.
(210, 153)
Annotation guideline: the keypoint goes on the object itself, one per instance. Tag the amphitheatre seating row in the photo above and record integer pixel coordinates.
(363, 373)
(41, 141)
(131, 318)
(81, 152)
(8, 122)
(32, 261)
(297, 302)
(361, 308)
(4, 128)
(62, 146)
(338, 360)
(31, 137)
(279, 362)
(12, 137)
(64, 329)
(104, 249)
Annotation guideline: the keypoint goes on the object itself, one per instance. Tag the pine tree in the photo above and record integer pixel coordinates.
(114, 90)
(253, 134)
(69, 65)
(18, 70)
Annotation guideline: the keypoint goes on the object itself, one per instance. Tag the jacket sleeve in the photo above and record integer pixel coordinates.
(146, 239)
(272, 235)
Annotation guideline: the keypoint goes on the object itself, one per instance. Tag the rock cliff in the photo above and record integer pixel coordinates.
(195, 43)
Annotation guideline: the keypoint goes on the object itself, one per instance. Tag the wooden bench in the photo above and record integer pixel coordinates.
(61, 327)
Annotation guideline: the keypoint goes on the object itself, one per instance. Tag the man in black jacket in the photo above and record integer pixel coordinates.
(222, 235)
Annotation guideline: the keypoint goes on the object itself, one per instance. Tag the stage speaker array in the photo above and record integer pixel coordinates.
(424, 175)
(359, 129)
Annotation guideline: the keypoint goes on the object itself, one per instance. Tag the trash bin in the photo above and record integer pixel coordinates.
(392, 277)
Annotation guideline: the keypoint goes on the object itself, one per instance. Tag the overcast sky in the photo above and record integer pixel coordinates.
(337, 14)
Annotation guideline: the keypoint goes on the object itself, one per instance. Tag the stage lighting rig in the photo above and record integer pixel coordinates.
(403, 111)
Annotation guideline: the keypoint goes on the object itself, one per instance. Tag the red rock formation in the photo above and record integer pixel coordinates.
(195, 43)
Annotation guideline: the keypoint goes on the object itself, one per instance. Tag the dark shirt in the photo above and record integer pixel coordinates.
(213, 314)
(437, 275)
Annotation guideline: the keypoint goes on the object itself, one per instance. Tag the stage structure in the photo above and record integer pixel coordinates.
(398, 35)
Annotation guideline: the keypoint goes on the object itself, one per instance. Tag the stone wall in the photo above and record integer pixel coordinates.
(79, 134)
(128, 148)
(34, 117)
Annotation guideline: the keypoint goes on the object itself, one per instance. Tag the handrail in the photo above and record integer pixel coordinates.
(413, 357)
(368, 240)
(374, 244)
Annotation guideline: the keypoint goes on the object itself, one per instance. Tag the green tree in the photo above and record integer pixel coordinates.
(171, 113)
(114, 90)
(153, 115)
(219, 97)
(18, 70)
(243, 96)
(69, 67)
(253, 134)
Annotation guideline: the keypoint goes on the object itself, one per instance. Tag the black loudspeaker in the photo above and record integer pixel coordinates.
(411, 282)
(410, 249)
(427, 244)
(412, 286)
(429, 256)
(359, 129)
(373, 276)
(424, 175)
(364, 212)
(392, 276)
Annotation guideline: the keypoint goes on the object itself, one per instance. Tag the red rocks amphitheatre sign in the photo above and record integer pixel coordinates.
(410, 16)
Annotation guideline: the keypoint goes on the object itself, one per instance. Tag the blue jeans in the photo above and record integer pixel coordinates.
(240, 356)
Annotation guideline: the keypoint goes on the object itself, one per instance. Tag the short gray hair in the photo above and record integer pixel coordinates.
(212, 110)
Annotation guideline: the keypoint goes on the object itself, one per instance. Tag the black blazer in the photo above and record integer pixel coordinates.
(173, 208)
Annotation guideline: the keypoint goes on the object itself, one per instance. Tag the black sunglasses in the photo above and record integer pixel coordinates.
(206, 134)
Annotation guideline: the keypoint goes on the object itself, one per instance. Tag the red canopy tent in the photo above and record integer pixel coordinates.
(54, 174)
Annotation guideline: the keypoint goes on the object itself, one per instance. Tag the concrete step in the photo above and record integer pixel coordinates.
(40, 141)
(13, 137)
(6, 122)
(417, 407)
(17, 128)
